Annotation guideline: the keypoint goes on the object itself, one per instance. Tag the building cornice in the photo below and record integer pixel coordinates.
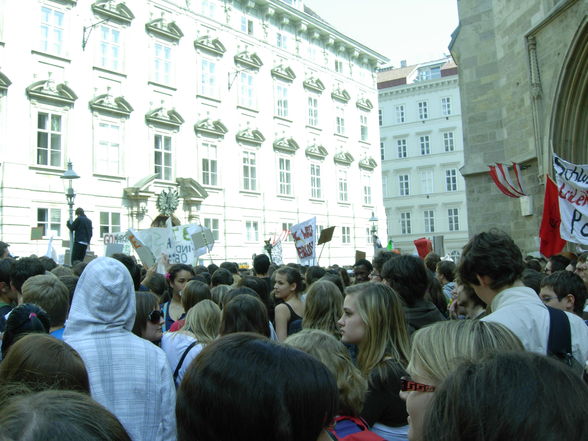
(209, 44)
(316, 151)
(406, 89)
(47, 90)
(106, 103)
(250, 136)
(161, 116)
(168, 30)
(285, 145)
(113, 10)
(211, 128)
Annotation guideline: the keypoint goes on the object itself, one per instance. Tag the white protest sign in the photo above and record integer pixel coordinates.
(572, 183)
(304, 235)
(144, 253)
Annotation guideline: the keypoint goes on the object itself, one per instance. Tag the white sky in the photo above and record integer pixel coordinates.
(411, 30)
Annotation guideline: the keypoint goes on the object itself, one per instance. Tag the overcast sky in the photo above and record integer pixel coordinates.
(411, 30)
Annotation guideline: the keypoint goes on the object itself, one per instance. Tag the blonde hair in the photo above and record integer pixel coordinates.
(351, 384)
(438, 349)
(218, 292)
(386, 333)
(203, 321)
(323, 307)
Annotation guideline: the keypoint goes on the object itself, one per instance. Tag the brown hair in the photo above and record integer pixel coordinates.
(51, 294)
(146, 302)
(194, 292)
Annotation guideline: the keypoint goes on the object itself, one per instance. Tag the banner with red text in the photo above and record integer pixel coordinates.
(304, 235)
(572, 184)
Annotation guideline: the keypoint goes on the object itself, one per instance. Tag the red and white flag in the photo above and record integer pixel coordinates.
(509, 185)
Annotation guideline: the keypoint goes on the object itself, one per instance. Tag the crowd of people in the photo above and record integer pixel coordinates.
(493, 347)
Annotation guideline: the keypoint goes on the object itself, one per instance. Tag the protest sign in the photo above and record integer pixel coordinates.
(572, 183)
(304, 235)
(144, 252)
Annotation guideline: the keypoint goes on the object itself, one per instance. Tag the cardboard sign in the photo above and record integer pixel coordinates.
(326, 235)
(572, 183)
(36, 233)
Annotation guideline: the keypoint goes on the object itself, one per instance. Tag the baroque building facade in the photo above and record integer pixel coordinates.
(524, 92)
(256, 114)
(421, 149)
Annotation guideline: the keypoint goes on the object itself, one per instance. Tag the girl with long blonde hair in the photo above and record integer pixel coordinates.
(323, 307)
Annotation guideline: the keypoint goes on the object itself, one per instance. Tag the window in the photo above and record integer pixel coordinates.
(209, 164)
(342, 179)
(405, 226)
(109, 223)
(400, 113)
(453, 218)
(110, 47)
(313, 111)
(282, 100)
(425, 145)
(380, 117)
(423, 110)
(338, 66)
(287, 227)
(252, 231)
(429, 217)
(246, 25)
(385, 185)
(208, 8)
(446, 106)
(51, 30)
(451, 180)
(108, 153)
(448, 141)
(340, 120)
(49, 132)
(246, 90)
(212, 225)
(163, 156)
(367, 190)
(426, 181)
(285, 176)
(208, 78)
(315, 181)
(281, 40)
(50, 220)
(346, 234)
(382, 151)
(161, 63)
(249, 171)
(404, 185)
(363, 124)
(401, 144)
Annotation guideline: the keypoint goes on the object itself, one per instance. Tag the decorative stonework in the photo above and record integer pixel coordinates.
(340, 95)
(314, 84)
(161, 116)
(316, 151)
(168, 30)
(343, 158)
(248, 59)
(364, 104)
(368, 163)
(4, 82)
(284, 73)
(48, 90)
(106, 103)
(250, 136)
(285, 145)
(211, 128)
(209, 44)
(113, 10)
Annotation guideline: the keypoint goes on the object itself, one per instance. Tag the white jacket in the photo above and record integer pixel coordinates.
(128, 375)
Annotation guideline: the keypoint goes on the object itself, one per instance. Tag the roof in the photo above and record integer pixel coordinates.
(390, 77)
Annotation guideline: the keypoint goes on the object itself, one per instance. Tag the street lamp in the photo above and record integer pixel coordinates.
(373, 220)
(70, 196)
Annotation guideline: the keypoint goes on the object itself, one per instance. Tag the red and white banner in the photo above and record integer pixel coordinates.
(511, 186)
(304, 235)
(572, 183)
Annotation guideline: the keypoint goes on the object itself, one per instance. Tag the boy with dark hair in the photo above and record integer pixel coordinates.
(362, 270)
(8, 296)
(564, 290)
(492, 264)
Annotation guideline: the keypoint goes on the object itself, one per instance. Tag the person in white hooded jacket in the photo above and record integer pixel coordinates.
(128, 375)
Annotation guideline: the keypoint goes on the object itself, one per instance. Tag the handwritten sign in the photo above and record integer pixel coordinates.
(304, 235)
(572, 183)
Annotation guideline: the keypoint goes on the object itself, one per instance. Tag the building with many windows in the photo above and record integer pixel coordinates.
(257, 113)
(421, 152)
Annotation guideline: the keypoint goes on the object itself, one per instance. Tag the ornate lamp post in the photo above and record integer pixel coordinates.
(374, 231)
(70, 196)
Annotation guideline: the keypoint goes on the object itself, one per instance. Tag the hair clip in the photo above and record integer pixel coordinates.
(168, 276)
(32, 314)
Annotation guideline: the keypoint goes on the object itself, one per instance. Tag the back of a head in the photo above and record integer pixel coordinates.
(494, 254)
(24, 268)
(381, 257)
(44, 362)
(564, 283)
(6, 265)
(407, 275)
(334, 355)
(532, 279)
(203, 321)
(61, 271)
(447, 269)
(245, 313)
(48, 263)
(194, 292)
(232, 267)
(218, 293)
(133, 268)
(24, 319)
(157, 284)
(59, 415)
(439, 348)
(496, 399)
(431, 260)
(313, 274)
(221, 276)
(559, 262)
(336, 279)
(323, 307)
(49, 293)
(261, 263)
(277, 393)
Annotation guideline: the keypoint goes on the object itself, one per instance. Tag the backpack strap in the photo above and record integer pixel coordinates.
(560, 335)
(182, 358)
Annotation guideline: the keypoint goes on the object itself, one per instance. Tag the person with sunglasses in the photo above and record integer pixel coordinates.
(437, 350)
(149, 318)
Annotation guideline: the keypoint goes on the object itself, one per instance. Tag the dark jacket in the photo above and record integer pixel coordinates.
(422, 313)
(82, 228)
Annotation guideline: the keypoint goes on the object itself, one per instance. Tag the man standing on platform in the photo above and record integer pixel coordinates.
(82, 229)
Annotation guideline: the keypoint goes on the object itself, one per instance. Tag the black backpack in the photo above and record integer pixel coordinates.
(559, 344)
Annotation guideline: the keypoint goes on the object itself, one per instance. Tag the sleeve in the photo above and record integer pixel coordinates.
(168, 404)
(73, 226)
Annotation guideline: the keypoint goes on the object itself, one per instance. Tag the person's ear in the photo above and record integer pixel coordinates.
(569, 301)
(484, 281)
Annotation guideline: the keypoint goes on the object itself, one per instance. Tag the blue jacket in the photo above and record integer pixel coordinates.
(82, 228)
